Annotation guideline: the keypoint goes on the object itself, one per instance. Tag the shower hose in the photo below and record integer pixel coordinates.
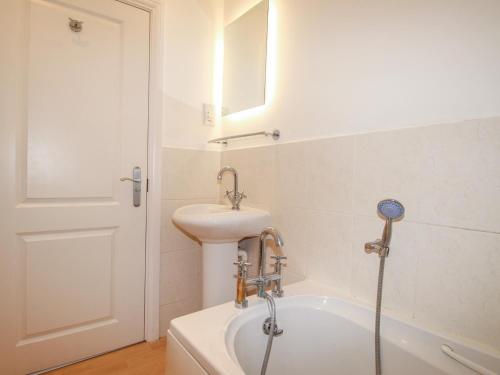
(272, 311)
(378, 360)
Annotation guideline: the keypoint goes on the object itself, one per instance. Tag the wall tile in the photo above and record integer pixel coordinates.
(190, 174)
(256, 174)
(388, 165)
(330, 174)
(457, 288)
(180, 275)
(291, 175)
(328, 245)
(460, 176)
(293, 223)
(290, 277)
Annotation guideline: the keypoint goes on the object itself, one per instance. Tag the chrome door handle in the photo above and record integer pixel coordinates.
(130, 179)
(136, 179)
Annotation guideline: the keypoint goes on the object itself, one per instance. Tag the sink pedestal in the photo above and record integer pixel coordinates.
(219, 228)
(219, 285)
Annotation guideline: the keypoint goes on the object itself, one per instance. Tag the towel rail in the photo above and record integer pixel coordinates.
(223, 140)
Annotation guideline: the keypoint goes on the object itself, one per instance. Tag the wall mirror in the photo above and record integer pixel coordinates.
(245, 55)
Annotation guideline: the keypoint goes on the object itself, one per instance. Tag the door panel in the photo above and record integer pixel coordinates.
(71, 257)
(79, 255)
(69, 75)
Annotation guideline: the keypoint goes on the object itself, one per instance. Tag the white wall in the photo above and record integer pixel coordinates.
(233, 9)
(188, 72)
(346, 67)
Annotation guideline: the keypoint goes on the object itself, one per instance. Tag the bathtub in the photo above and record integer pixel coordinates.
(323, 334)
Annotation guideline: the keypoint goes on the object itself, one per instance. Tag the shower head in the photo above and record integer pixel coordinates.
(390, 209)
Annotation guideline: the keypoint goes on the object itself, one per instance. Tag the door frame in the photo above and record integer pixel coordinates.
(153, 206)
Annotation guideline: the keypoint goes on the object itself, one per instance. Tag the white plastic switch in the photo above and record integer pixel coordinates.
(208, 114)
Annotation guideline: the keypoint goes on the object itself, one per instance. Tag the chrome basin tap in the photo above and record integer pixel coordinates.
(262, 280)
(234, 196)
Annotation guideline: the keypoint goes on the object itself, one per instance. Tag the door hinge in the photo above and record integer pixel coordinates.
(147, 185)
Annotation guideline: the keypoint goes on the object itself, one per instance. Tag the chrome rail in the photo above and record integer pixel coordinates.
(223, 140)
(465, 362)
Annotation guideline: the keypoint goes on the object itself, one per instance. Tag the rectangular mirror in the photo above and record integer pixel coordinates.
(245, 55)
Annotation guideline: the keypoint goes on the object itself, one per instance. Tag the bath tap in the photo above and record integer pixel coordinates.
(234, 196)
(263, 279)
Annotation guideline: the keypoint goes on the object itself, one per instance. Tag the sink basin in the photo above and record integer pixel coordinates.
(219, 228)
(216, 223)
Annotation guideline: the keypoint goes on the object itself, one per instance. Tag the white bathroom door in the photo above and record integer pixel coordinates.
(76, 241)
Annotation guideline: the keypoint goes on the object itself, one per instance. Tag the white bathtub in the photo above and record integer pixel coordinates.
(323, 334)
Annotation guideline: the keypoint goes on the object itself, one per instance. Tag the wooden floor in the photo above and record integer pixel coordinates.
(147, 358)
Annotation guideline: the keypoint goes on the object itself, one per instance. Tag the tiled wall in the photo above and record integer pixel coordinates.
(189, 176)
(443, 271)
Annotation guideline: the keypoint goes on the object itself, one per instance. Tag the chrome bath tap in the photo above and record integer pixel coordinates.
(234, 196)
(278, 242)
(263, 279)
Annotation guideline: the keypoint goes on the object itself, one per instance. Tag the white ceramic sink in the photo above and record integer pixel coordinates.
(216, 223)
(219, 228)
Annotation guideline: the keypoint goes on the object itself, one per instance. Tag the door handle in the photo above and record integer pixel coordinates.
(130, 179)
(136, 185)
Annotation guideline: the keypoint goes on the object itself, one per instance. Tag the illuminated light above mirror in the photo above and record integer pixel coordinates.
(245, 60)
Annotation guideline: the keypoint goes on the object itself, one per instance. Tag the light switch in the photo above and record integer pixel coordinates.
(208, 114)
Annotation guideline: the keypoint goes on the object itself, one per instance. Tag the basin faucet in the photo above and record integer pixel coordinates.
(262, 280)
(234, 196)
